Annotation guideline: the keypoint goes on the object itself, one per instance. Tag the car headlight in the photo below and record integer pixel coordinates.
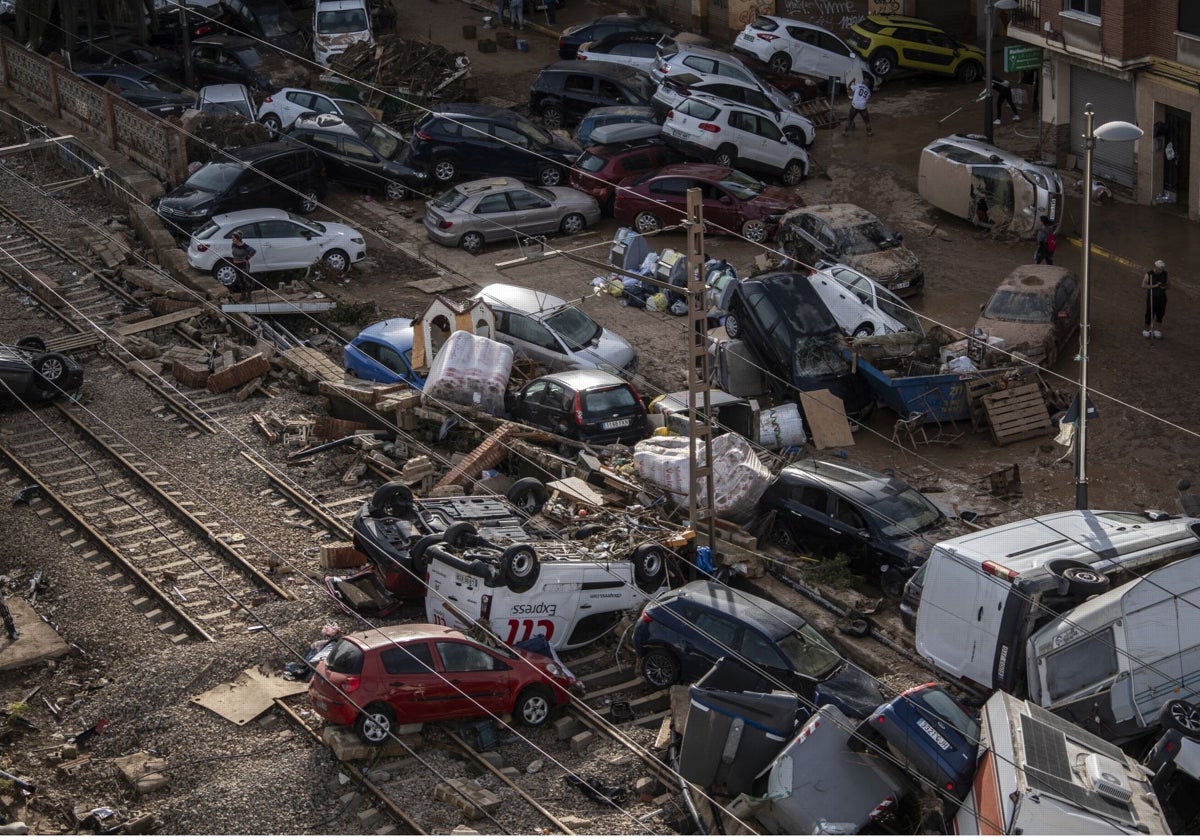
(553, 670)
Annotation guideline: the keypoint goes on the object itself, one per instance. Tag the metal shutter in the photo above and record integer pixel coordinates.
(1112, 99)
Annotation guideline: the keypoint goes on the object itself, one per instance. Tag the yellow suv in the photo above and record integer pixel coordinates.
(891, 41)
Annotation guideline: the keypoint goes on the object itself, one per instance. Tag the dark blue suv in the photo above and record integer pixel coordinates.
(679, 638)
(473, 140)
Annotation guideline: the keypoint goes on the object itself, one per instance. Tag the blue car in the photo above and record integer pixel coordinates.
(383, 353)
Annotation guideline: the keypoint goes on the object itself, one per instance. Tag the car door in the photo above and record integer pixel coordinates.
(206, 62)
(534, 212)
(941, 51)
(837, 296)
(287, 245)
(408, 681)
(327, 146)
(545, 404)
(479, 151)
(1066, 310)
(580, 95)
(671, 191)
(295, 103)
(363, 165)
(805, 514)
(530, 339)
(478, 682)
(769, 148)
(494, 216)
(721, 209)
(850, 534)
(283, 175)
(711, 636)
(510, 154)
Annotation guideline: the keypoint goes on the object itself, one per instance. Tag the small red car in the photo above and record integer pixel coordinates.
(601, 167)
(733, 200)
(416, 673)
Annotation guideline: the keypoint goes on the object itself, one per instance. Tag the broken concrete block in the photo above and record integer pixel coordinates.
(472, 800)
(142, 771)
(510, 772)
(191, 374)
(368, 817)
(492, 758)
(535, 767)
(647, 788)
(580, 742)
(239, 373)
(567, 727)
(575, 823)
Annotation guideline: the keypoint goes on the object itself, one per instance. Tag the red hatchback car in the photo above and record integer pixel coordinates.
(416, 673)
(733, 201)
(601, 167)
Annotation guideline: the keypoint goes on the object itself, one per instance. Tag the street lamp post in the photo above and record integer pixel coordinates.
(1117, 131)
(992, 5)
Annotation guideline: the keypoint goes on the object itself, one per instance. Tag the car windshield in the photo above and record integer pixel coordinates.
(345, 658)
(307, 223)
(534, 133)
(353, 110)
(820, 355)
(382, 141)
(214, 177)
(867, 238)
(896, 308)
(450, 200)
(904, 513)
(575, 327)
(589, 162)
(250, 57)
(341, 21)
(742, 186)
(1022, 307)
(809, 653)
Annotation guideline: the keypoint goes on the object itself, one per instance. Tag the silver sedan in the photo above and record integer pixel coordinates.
(472, 214)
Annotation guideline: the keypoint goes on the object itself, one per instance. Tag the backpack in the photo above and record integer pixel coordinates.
(1051, 243)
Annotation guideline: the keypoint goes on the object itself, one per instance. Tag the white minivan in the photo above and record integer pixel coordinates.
(861, 306)
(337, 24)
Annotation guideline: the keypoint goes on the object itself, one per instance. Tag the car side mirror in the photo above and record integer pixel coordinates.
(981, 306)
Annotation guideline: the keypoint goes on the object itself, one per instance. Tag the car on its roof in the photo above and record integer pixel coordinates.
(683, 632)
(1035, 309)
(891, 42)
(573, 37)
(382, 352)
(377, 679)
(29, 371)
(593, 406)
(884, 526)
(734, 202)
(605, 165)
(635, 49)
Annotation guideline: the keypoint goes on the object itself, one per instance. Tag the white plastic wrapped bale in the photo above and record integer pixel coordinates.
(470, 370)
(739, 477)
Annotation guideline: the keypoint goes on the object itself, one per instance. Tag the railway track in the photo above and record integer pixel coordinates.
(152, 537)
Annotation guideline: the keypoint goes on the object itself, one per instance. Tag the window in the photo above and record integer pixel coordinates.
(408, 659)
(1091, 7)
(457, 656)
(280, 229)
(848, 514)
(701, 65)
(768, 129)
(1189, 17)
(302, 99)
(609, 91)
(579, 84)
(742, 121)
(811, 497)
(526, 329)
(940, 40)
(525, 200)
(1082, 665)
(670, 186)
(496, 203)
(324, 143)
(696, 108)
(323, 106)
(507, 135)
(718, 630)
(476, 130)
(759, 651)
(357, 150)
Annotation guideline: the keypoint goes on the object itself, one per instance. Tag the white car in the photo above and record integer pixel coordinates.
(736, 136)
(794, 46)
(281, 241)
(677, 58)
(279, 110)
(226, 100)
(860, 305)
(674, 89)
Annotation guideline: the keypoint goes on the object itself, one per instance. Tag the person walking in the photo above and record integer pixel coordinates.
(1003, 89)
(1155, 284)
(240, 258)
(1046, 243)
(501, 5)
(516, 13)
(860, 94)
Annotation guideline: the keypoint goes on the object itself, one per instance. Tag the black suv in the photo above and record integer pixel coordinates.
(566, 90)
(281, 174)
(457, 140)
(885, 527)
(360, 153)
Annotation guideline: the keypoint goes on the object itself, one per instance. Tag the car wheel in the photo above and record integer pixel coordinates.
(395, 191)
(471, 242)
(725, 156)
(883, 62)
(1180, 715)
(374, 726)
(444, 170)
(968, 71)
(796, 136)
(864, 330)
(892, 582)
(780, 63)
(416, 554)
(1084, 581)
(51, 367)
(457, 534)
(272, 124)
(550, 176)
(337, 260)
(528, 494)
(646, 222)
(649, 566)
(534, 705)
(573, 223)
(660, 668)
(31, 342)
(552, 116)
(225, 274)
(309, 201)
(393, 499)
(755, 230)
(793, 173)
(795, 97)
(519, 566)
(731, 325)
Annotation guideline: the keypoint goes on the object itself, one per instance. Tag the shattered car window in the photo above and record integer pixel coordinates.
(903, 513)
(809, 653)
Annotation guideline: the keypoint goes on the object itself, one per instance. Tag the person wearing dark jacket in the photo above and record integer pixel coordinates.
(1155, 284)
(1003, 91)
(241, 256)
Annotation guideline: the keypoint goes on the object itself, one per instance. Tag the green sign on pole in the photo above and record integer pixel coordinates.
(1022, 58)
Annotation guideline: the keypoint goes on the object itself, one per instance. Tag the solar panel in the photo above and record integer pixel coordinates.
(1048, 768)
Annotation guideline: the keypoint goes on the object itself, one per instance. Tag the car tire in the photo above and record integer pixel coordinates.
(31, 342)
(793, 173)
(968, 72)
(780, 63)
(375, 724)
(660, 668)
(472, 242)
(458, 534)
(649, 566)
(796, 136)
(337, 260)
(394, 499)
(225, 274)
(892, 581)
(534, 705)
(444, 170)
(550, 176)
(520, 567)
(646, 222)
(572, 224)
(309, 201)
(731, 325)
(416, 554)
(273, 124)
(725, 156)
(1180, 715)
(1084, 581)
(755, 230)
(796, 97)
(783, 538)
(395, 191)
(51, 369)
(528, 494)
(883, 62)
(552, 116)
(864, 329)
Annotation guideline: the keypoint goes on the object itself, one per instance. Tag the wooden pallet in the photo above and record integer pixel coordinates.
(818, 111)
(977, 389)
(1017, 413)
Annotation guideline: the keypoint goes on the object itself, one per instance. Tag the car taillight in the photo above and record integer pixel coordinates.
(999, 571)
(670, 115)
(578, 406)
(646, 618)
(421, 135)
(267, 99)
(201, 248)
(562, 42)
(713, 127)
(580, 57)
(485, 607)
(766, 36)
(917, 688)
(350, 684)
(445, 224)
(203, 29)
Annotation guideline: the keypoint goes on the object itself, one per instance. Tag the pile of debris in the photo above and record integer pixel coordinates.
(416, 72)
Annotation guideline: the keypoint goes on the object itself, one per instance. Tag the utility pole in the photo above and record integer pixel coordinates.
(699, 399)
(189, 72)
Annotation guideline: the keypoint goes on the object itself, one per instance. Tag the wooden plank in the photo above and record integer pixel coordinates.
(825, 417)
(579, 490)
(160, 321)
(1016, 414)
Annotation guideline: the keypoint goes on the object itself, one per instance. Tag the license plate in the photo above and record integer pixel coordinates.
(903, 285)
(432, 219)
(745, 36)
(608, 425)
(673, 131)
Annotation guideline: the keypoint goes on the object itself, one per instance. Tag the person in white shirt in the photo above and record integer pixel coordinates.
(860, 94)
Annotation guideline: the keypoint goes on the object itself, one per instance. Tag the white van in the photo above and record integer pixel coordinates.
(1040, 775)
(986, 593)
(968, 177)
(337, 24)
